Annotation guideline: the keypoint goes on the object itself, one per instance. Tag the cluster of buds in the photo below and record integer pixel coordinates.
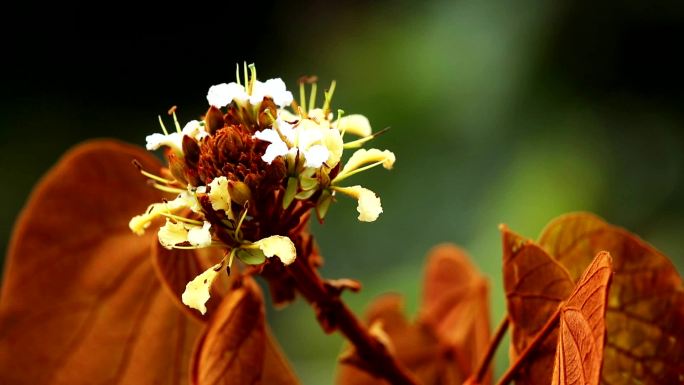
(246, 177)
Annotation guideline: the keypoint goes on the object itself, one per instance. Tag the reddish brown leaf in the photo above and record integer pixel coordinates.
(80, 301)
(535, 285)
(645, 305)
(579, 354)
(233, 349)
(277, 369)
(452, 331)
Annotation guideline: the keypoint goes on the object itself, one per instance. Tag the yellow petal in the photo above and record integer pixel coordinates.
(196, 292)
(354, 124)
(369, 206)
(172, 234)
(363, 157)
(280, 246)
(139, 223)
(332, 140)
(219, 195)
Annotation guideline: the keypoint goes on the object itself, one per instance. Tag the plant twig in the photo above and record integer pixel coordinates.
(374, 353)
(538, 339)
(493, 345)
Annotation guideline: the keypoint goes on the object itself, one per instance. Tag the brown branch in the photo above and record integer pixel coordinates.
(333, 315)
(493, 345)
(538, 340)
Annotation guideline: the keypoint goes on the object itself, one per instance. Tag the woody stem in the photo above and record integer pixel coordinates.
(493, 345)
(339, 317)
(539, 338)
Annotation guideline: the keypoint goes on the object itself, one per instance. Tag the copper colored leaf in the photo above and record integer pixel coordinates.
(177, 267)
(80, 300)
(535, 285)
(456, 305)
(645, 304)
(579, 354)
(233, 349)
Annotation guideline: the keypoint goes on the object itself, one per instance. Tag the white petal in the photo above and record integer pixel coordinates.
(268, 135)
(369, 206)
(219, 195)
(273, 88)
(309, 134)
(173, 140)
(286, 129)
(172, 234)
(196, 292)
(195, 130)
(354, 124)
(222, 94)
(316, 155)
(274, 150)
(280, 246)
(200, 236)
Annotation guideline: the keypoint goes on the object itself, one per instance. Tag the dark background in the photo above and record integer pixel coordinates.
(508, 112)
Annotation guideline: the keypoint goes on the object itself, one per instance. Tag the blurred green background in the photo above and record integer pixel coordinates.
(500, 112)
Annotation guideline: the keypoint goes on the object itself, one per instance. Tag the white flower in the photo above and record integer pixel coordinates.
(173, 140)
(273, 88)
(222, 94)
(200, 236)
(369, 206)
(280, 246)
(196, 292)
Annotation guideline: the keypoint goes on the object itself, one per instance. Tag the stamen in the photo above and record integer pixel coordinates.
(161, 123)
(252, 80)
(172, 111)
(246, 78)
(237, 73)
(340, 113)
(312, 99)
(231, 257)
(168, 189)
(213, 244)
(182, 219)
(359, 142)
(280, 134)
(328, 98)
(238, 237)
(302, 94)
(139, 166)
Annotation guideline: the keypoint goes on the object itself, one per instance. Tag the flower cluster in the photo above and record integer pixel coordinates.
(246, 176)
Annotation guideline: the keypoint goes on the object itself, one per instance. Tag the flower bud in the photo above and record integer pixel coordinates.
(239, 192)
